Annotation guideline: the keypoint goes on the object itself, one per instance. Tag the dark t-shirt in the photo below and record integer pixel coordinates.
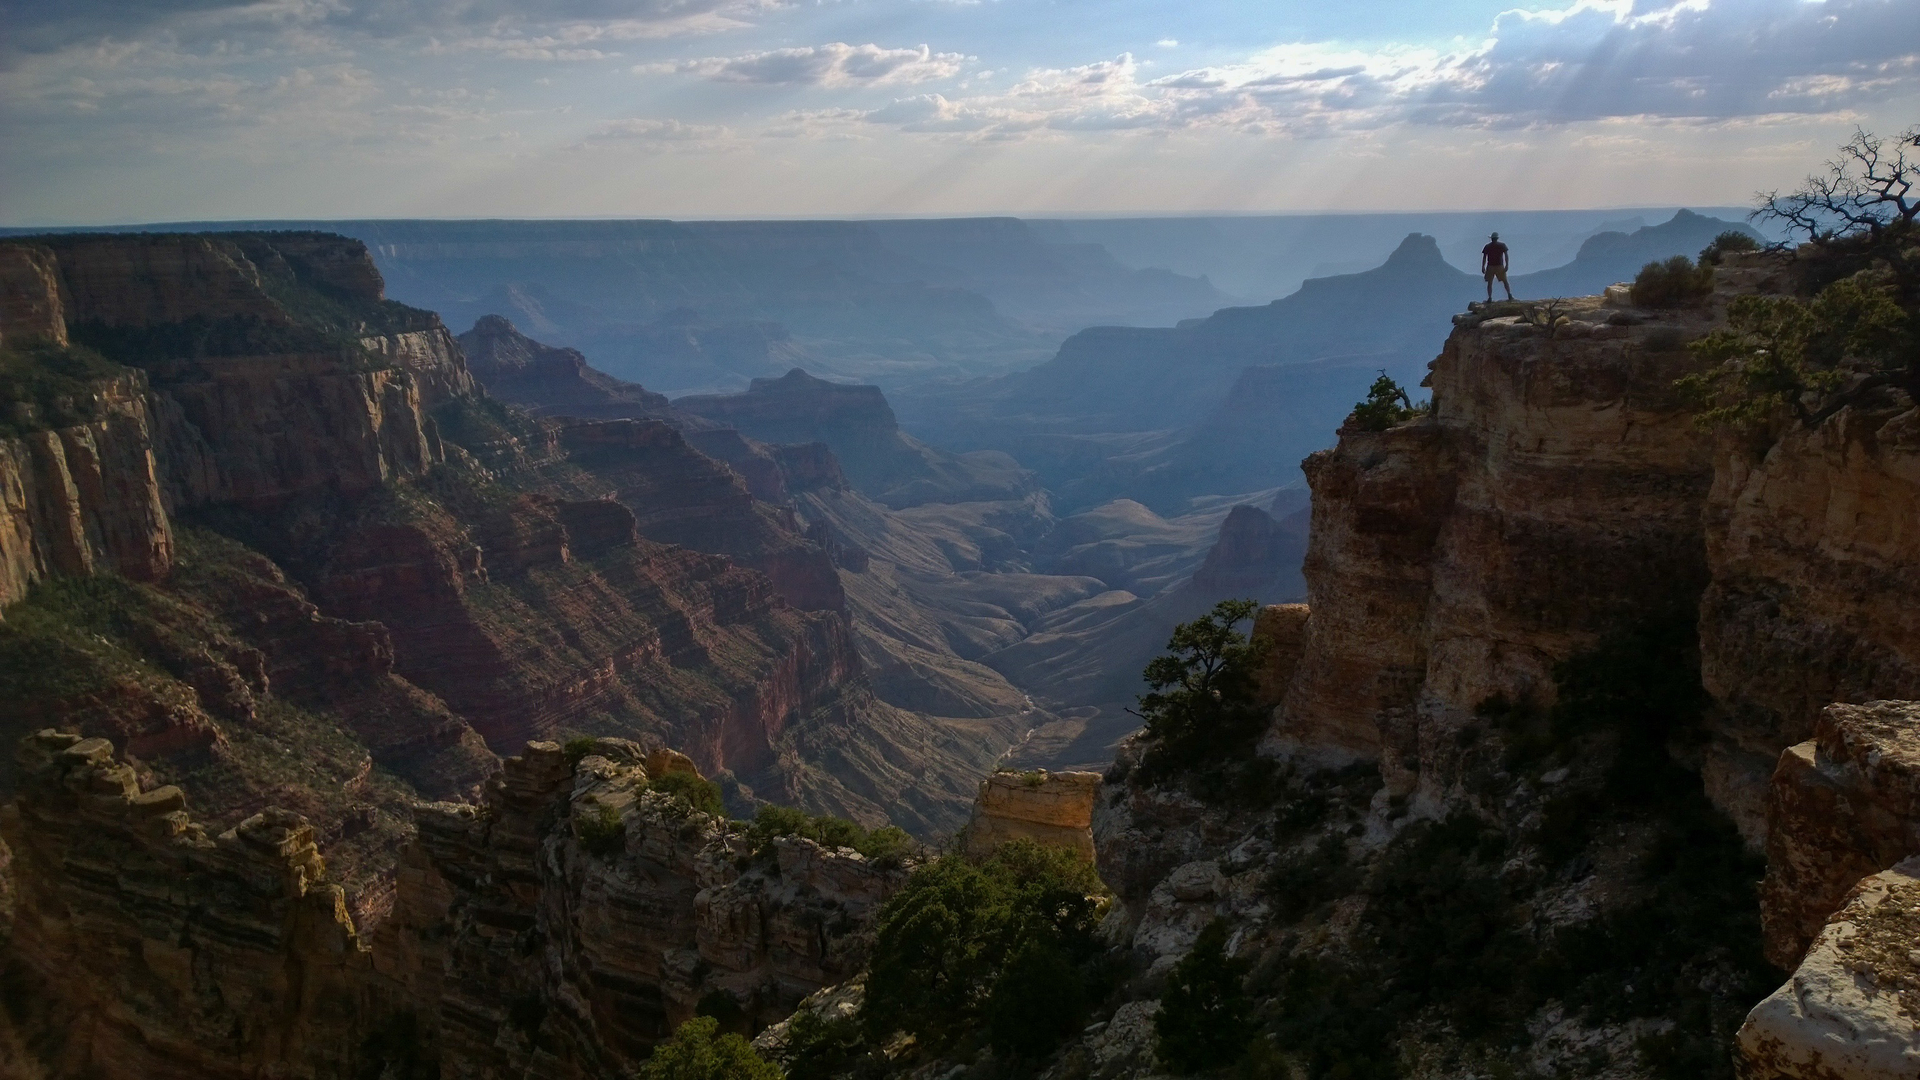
(1496, 254)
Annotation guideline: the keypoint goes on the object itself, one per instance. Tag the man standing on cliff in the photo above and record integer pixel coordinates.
(1493, 264)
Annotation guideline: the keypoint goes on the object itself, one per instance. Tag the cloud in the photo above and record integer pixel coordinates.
(45, 26)
(649, 130)
(1707, 61)
(833, 64)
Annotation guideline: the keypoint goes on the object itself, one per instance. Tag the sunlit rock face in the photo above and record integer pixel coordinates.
(1851, 1009)
(1815, 558)
(1843, 805)
(1054, 809)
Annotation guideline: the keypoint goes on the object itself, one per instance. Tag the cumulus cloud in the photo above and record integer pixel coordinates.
(1664, 60)
(834, 64)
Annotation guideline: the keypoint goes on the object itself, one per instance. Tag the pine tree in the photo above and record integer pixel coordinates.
(1206, 1017)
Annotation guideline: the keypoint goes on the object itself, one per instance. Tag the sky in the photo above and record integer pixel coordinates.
(170, 110)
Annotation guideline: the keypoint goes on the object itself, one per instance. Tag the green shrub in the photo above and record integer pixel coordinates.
(601, 832)
(698, 1052)
(1730, 241)
(887, 844)
(1671, 284)
(822, 1049)
(1809, 359)
(577, 748)
(1200, 699)
(1007, 944)
(1206, 1017)
(691, 792)
(1387, 404)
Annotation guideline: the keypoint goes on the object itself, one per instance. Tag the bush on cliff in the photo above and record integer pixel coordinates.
(1006, 945)
(44, 385)
(888, 845)
(690, 792)
(698, 1051)
(1387, 404)
(1206, 1017)
(1200, 700)
(1446, 936)
(1674, 283)
(1727, 242)
(1808, 359)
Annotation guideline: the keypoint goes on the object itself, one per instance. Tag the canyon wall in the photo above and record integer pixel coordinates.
(562, 926)
(505, 575)
(1551, 497)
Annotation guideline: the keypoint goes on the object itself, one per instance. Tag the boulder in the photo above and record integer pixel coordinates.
(1849, 1012)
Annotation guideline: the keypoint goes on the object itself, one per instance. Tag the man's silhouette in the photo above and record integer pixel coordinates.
(1493, 264)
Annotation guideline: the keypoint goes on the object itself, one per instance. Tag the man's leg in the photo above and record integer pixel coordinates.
(1504, 285)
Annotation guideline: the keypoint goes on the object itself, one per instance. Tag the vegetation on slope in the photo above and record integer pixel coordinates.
(1449, 942)
(1853, 337)
(1199, 706)
(44, 385)
(1387, 404)
(1004, 946)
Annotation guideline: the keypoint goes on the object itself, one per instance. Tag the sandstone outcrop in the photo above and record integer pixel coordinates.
(1844, 804)
(1552, 496)
(1284, 628)
(1814, 562)
(562, 926)
(29, 296)
(157, 950)
(1851, 1010)
(1054, 809)
(86, 498)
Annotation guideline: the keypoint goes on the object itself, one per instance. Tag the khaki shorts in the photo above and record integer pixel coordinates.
(1495, 272)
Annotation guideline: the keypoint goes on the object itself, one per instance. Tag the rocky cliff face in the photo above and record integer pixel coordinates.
(1813, 563)
(563, 925)
(1053, 809)
(546, 380)
(128, 974)
(1843, 805)
(859, 425)
(86, 497)
(515, 577)
(1501, 637)
(1552, 497)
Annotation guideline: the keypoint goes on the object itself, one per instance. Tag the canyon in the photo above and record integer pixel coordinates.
(347, 669)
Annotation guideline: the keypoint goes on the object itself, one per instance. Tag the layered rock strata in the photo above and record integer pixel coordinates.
(1814, 562)
(524, 572)
(1054, 809)
(558, 929)
(157, 950)
(1844, 804)
(1551, 497)
(86, 498)
(634, 907)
